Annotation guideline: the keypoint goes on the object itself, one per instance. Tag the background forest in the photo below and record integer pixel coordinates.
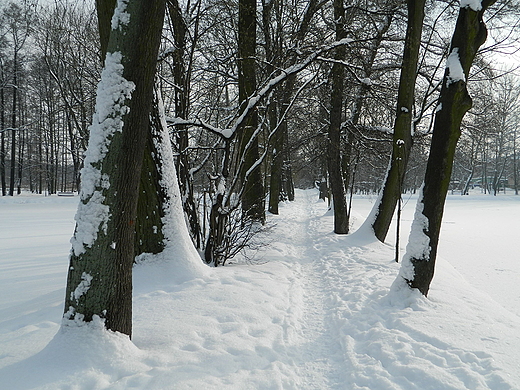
(51, 60)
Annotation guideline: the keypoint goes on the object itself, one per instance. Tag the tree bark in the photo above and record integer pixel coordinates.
(251, 177)
(14, 114)
(341, 220)
(454, 101)
(100, 274)
(402, 138)
(2, 147)
(149, 237)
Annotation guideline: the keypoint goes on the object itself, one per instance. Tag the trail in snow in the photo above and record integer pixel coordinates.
(366, 338)
(315, 313)
(319, 362)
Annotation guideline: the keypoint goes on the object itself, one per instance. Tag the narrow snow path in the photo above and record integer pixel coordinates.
(318, 360)
(358, 336)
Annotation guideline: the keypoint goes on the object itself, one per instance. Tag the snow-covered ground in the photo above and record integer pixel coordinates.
(312, 310)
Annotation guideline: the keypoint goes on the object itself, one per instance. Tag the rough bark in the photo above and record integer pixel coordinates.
(253, 194)
(149, 237)
(454, 101)
(100, 274)
(402, 138)
(341, 220)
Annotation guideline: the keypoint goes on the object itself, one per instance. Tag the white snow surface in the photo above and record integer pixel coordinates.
(313, 310)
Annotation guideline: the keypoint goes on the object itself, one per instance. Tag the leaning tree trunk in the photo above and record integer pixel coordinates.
(454, 101)
(99, 282)
(402, 139)
(341, 220)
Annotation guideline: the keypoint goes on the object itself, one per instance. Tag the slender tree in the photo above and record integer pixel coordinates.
(402, 138)
(181, 78)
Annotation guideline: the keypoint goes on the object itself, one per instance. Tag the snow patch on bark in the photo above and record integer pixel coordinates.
(455, 71)
(83, 286)
(418, 247)
(475, 5)
(112, 93)
(121, 17)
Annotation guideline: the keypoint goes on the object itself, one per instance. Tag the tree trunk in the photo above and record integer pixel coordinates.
(341, 222)
(105, 11)
(2, 147)
(402, 138)
(12, 170)
(454, 101)
(149, 237)
(515, 163)
(99, 282)
(275, 182)
(248, 153)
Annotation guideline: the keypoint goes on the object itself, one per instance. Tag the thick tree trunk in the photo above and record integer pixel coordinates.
(454, 101)
(100, 274)
(341, 221)
(402, 139)
(253, 193)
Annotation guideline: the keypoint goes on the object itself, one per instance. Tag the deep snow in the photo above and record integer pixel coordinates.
(312, 310)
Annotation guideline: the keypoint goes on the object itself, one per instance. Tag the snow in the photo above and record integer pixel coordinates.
(418, 246)
(312, 311)
(120, 16)
(179, 260)
(455, 71)
(83, 286)
(475, 5)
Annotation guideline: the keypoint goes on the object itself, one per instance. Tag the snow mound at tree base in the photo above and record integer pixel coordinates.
(78, 357)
